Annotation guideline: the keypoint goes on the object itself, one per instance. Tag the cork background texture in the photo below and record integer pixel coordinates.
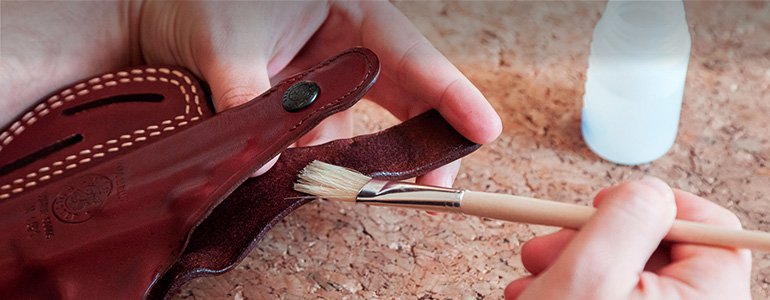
(529, 59)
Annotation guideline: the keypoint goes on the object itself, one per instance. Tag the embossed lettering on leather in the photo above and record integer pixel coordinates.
(102, 183)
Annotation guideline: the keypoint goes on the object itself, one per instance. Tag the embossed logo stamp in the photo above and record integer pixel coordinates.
(82, 198)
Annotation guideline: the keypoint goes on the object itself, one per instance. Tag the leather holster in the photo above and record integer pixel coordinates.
(127, 185)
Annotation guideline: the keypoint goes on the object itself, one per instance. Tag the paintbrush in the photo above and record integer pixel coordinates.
(332, 182)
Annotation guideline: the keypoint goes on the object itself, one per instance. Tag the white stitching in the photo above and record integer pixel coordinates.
(81, 89)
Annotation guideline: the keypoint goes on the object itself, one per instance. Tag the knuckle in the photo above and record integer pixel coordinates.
(233, 97)
(644, 202)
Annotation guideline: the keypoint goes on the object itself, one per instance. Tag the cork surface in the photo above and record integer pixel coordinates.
(529, 59)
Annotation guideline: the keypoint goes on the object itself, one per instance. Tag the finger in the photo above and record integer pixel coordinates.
(606, 257)
(266, 167)
(601, 195)
(442, 176)
(514, 289)
(389, 95)
(409, 60)
(697, 209)
(540, 252)
(704, 267)
(236, 84)
(334, 127)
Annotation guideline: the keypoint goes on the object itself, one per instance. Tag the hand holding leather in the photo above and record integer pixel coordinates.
(219, 42)
(104, 181)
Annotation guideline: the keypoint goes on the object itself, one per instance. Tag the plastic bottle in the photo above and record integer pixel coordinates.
(635, 80)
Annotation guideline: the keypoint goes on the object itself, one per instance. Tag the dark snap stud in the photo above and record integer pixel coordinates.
(300, 95)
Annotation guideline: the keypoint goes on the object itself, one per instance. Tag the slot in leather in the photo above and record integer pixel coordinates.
(109, 215)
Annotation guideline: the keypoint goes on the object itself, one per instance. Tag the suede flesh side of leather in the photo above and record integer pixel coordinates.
(126, 185)
(103, 181)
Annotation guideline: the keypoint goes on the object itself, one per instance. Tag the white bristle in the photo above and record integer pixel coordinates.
(328, 181)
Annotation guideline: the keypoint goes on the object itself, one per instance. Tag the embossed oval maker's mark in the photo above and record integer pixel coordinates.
(82, 198)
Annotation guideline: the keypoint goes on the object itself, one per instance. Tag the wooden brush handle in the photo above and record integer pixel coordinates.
(552, 213)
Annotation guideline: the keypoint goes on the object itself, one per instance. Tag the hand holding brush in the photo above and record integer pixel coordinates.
(338, 183)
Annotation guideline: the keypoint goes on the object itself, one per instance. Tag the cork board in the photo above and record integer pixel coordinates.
(529, 59)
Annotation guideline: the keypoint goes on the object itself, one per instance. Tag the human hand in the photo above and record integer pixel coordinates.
(617, 255)
(239, 48)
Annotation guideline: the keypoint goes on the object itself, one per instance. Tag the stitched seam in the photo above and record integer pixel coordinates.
(112, 145)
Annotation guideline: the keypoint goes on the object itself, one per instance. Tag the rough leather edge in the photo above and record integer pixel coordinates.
(235, 227)
(306, 124)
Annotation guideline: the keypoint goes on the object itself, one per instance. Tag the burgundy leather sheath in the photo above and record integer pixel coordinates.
(123, 186)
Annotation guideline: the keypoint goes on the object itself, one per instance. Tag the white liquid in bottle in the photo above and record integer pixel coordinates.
(635, 80)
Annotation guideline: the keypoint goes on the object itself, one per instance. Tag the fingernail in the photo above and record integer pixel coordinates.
(661, 187)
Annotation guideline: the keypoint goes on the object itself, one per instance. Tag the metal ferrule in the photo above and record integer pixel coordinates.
(402, 194)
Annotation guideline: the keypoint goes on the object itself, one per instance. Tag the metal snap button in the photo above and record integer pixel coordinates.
(300, 95)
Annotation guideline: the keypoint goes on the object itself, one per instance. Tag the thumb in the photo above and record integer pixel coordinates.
(606, 257)
(234, 85)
